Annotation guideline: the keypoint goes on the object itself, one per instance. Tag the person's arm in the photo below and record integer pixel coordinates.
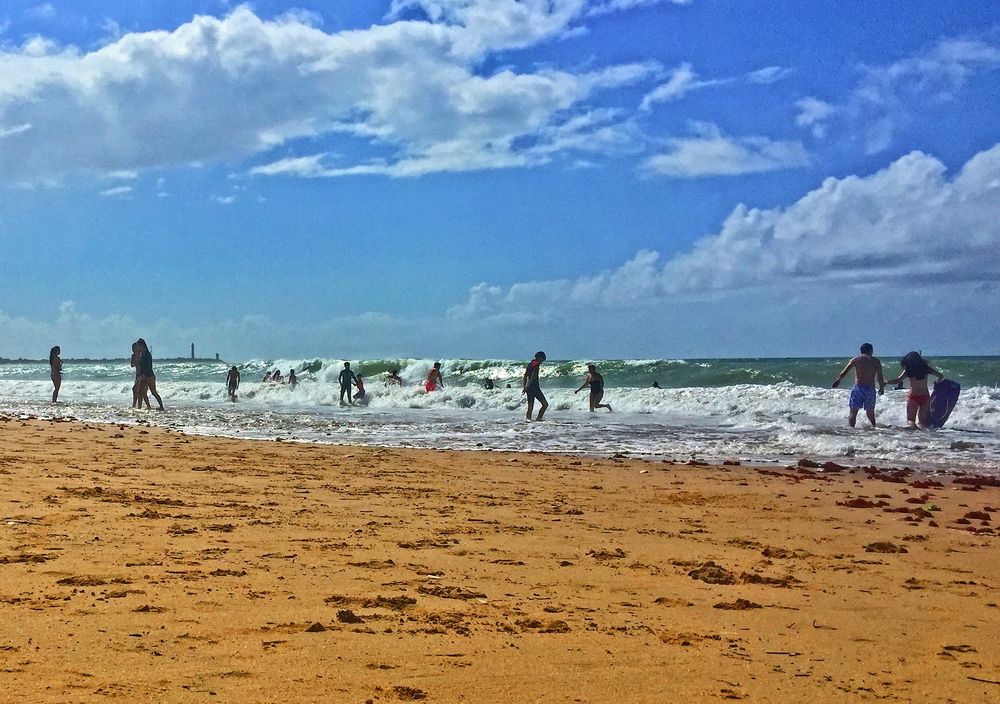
(524, 380)
(440, 379)
(881, 379)
(897, 380)
(840, 377)
(935, 372)
(584, 385)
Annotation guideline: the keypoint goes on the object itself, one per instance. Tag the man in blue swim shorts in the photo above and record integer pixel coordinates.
(867, 369)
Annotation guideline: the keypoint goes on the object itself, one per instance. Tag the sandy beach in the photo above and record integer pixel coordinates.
(140, 564)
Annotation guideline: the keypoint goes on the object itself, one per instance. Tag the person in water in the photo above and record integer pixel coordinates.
(596, 383)
(137, 399)
(347, 378)
(359, 383)
(292, 379)
(488, 384)
(277, 378)
(530, 386)
(656, 384)
(267, 377)
(918, 401)
(147, 379)
(233, 382)
(867, 369)
(434, 378)
(394, 379)
(55, 371)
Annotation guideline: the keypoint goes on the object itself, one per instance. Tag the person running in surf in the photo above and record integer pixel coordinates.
(918, 401)
(233, 382)
(359, 382)
(347, 378)
(531, 388)
(866, 370)
(596, 383)
(434, 378)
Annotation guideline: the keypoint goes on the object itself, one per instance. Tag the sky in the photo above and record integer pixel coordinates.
(486, 178)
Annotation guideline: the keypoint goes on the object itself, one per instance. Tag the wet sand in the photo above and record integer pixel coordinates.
(138, 564)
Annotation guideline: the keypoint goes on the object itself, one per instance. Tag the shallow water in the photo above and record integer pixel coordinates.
(783, 417)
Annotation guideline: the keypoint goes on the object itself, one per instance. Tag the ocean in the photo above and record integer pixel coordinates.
(752, 410)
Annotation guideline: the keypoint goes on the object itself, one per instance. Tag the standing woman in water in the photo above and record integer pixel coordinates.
(147, 380)
(55, 371)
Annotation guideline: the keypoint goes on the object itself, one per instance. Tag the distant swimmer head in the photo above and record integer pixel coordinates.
(867, 348)
(437, 365)
(347, 365)
(540, 356)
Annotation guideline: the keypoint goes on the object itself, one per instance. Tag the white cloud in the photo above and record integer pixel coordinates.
(711, 153)
(814, 113)
(769, 75)
(601, 8)
(16, 129)
(907, 226)
(682, 80)
(887, 96)
(410, 88)
(117, 192)
(224, 200)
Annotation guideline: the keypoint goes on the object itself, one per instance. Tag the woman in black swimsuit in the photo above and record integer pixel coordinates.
(596, 383)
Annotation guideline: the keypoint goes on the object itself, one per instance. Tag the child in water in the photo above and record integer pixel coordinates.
(918, 402)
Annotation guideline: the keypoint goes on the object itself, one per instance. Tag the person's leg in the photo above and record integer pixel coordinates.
(143, 392)
(56, 383)
(543, 406)
(151, 386)
(870, 412)
(852, 416)
(531, 405)
(923, 411)
(911, 412)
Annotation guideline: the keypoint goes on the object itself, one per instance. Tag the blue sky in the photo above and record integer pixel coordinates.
(473, 178)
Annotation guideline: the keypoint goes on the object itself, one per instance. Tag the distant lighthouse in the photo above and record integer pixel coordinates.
(192, 350)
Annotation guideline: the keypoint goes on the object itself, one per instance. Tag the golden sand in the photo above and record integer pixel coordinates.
(138, 564)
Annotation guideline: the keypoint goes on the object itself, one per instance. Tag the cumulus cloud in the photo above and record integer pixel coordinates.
(709, 152)
(886, 96)
(411, 88)
(908, 225)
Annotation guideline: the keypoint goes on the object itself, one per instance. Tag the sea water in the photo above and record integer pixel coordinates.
(753, 410)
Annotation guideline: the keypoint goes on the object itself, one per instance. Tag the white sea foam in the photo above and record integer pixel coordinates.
(751, 422)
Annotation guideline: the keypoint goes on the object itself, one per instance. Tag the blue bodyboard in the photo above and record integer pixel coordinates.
(943, 401)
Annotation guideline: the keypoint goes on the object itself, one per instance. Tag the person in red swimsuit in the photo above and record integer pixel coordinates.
(918, 401)
(434, 378)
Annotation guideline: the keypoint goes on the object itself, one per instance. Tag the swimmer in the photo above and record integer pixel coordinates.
(232, 382)
(866, 370)
(434, 378)
(531, 388)
(346, 379)
(596, 383)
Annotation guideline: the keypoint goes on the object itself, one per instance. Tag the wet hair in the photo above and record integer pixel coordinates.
(142, 342)
(592, 367)
(53, 352)
(867, 348)
(395, 372)
(540, 355)
(347, 365)
(437, 365)
(914, 366)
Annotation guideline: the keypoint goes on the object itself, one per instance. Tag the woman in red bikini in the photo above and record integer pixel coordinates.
(918, 402)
